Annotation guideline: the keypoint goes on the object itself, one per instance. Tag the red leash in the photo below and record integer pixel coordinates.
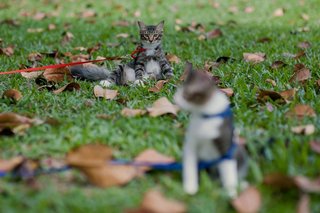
(59, 65)
(136, 51)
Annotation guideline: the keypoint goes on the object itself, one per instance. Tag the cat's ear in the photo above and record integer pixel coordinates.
(160, 26)
(142, 26)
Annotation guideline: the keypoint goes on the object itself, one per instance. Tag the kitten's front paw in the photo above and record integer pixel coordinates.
(105, 83)
(190, 189)
(139, 83)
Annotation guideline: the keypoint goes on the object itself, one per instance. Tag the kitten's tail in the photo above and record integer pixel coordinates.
(89, 72)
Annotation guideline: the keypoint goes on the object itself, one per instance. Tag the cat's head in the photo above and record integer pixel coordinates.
(150, 34)
(196, 91)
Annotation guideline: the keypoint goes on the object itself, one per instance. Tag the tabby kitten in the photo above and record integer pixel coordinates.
(210, 133)
(149, 62)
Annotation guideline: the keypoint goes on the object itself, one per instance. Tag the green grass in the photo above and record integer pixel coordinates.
(129, 136)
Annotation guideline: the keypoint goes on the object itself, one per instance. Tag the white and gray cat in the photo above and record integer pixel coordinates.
(150, 62)
(210, 134)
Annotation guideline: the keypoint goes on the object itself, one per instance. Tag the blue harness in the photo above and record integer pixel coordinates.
(175, 166)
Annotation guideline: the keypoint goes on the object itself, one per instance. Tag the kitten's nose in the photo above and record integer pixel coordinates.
(151, 38)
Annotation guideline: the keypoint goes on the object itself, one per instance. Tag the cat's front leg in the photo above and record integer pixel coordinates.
(190, 168)
(139, 71)
(166, 70)
(229, 176)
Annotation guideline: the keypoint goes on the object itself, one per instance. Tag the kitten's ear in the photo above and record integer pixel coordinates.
(160, 26)
(142, 26)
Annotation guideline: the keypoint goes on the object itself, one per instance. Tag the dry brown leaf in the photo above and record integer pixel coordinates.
(121, 23)
(152, 156)
(318, 83)
(300, 111)
(155, 202)
(80, 57)
(173, 59)
(278, 12)
(264, 40)
(69, 87)
(162, 106)
(52, 27)
(8, 165)
(34, 57)
(57, 75)
(265, 95)
(88, 14)
(126, 112)
(304, 130)
(307, 185)
(304, 45)
(108, 94)
(278, 64)
(249, 201)
(39, 16)
(315, 146)
(299, 55)
(280, 181)
(272, 82)
(214, 34)
(66, 37)
(289, 94)
(89, 155)
(122, 35)
(8, 51)
(249, 9)
(301, 73)
(254, 57)
(12, 123)
(228, 91)
(305, 17)
(233, 9)
(303, 205)
(12, 94)
(158, 86)
(31, 75)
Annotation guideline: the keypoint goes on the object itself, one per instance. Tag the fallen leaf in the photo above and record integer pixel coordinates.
(233, 9)
(173, 58)
(12, 123)
(52, 27)
(264, 40)
(265, 95)
(12, 94)
(108, 94)
(88, 14)
(94, 48)
(303, 204)
(278, 64)
(162, 106)
(122, 35)
(69, 87)
(304, 130)
(152, 156)
(8, 165)
(228, 91)
(137, 13)
(80, 57)
(300, 111)
(214, 34)
(121, 23)
(89, 155)
(299, 55)
(34, 57)
(315, 146)
(278, 12)
(301, 73)
(279, 181)
(158, 86)
(8, 51)
(155, 202)
(289, 94)
(249, 9)
(249, 201)
(126, 112)
(57, 75)
(307, 185)
(92, 160)
(35, 30)
(39, 16)
(304, 45)
(305, 17)
(254, 57)
(66, 37)
(318, 83)
(31, 75)
(272, 82)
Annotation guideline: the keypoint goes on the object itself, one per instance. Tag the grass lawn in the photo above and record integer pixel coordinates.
(288, 153)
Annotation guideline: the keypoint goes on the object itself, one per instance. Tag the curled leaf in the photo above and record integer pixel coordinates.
(278, 64)
(173, 58)
(57, 75)
(162, 106)
(69, 87)
(301, 73)
(301, 110)
(254, 57)
(158, 86)
(126, 112)
(104, 93)
(12, 94)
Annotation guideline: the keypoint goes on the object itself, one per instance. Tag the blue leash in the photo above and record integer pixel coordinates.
(175, 166)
